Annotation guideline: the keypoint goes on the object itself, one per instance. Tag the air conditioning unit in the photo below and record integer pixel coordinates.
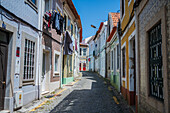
(18, 96)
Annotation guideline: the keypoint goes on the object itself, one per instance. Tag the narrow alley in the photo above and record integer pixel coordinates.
(85, 56)
(90, 94)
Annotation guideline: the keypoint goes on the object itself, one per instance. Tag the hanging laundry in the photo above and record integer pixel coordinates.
(68, 44)
(58, 23)
(48, 16)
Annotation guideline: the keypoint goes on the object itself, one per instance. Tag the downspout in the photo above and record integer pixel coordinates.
(40, 35)
(137, 58)
(105, 58)
(119, 36)
(61, 53)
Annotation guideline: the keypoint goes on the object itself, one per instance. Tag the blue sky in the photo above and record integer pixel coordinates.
(94, 12)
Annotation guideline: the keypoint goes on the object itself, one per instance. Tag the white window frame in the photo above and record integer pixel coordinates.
(56, 73)
(29, 81)
(85, 52)
(32, 5)
(123, 46)
(129, 2)
(117, 47)
(50, 5)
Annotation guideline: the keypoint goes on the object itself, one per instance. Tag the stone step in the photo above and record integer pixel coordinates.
(5, 111)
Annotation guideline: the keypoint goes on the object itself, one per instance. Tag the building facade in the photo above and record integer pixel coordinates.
(19, 52)
(113, 45)
(153, 29)
(84, 63)
(91, 55)
(51, 47)
(102, 49)
(128, 52)
(72, 38)
(97, 48)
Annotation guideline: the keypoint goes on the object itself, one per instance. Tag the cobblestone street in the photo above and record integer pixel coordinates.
(91, 94)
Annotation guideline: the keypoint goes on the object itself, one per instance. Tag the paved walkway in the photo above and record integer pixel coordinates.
(89, 95)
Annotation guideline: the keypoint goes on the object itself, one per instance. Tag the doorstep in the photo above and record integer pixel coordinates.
(5, 111)
(45, 92)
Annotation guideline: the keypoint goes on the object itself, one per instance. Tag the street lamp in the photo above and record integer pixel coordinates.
(93, 26)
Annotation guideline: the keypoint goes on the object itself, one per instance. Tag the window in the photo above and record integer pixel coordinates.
(34, 1)
(80, 51)
(68, 24)
(56, 63)
(84, 51)
(32, 4)
(74, 30)
(122, 8)
(115, 61)
(155, 63)
(112, 60)
(71, 29)
(118, 56)
(123, 62)
(29, 60)
(108, 61)
(47, 5)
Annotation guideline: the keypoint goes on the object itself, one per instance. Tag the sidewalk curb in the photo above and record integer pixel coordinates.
(36, 104)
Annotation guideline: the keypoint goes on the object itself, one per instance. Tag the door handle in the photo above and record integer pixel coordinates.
(3, 82)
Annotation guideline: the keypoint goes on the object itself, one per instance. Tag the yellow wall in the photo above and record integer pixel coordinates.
(127, 33)
(67, 59)
(128, 10)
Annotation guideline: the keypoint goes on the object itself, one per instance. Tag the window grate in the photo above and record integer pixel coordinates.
(155, 63)
(29, 60)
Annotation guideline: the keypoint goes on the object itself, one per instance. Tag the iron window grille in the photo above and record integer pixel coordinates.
(29, 60)
(155, 63)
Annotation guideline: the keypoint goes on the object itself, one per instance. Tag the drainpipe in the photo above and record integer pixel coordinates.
(40, 43)
(119, 36)
(61, 53)
(137, 57)
(105, 58)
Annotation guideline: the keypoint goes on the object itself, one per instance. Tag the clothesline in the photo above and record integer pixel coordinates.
(51, 11)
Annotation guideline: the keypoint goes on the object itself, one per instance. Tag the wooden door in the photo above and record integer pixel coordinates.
(3, 66)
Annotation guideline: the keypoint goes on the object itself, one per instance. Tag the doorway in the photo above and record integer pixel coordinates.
(45, 71)
(3, 65)
(79, 66)
(84, 66)
(134, 62)
(132, 65)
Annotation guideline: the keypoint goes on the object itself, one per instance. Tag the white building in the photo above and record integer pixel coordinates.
(102, 55)
(91, 53)
(20, 40)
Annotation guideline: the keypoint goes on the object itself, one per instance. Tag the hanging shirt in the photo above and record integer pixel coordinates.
(68, 45)
(58, 23)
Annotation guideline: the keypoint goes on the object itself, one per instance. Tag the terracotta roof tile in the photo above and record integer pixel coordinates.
(115, 18)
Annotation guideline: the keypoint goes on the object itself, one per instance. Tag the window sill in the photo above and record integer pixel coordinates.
(32, 5)
(28, 82)
(56, 74)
